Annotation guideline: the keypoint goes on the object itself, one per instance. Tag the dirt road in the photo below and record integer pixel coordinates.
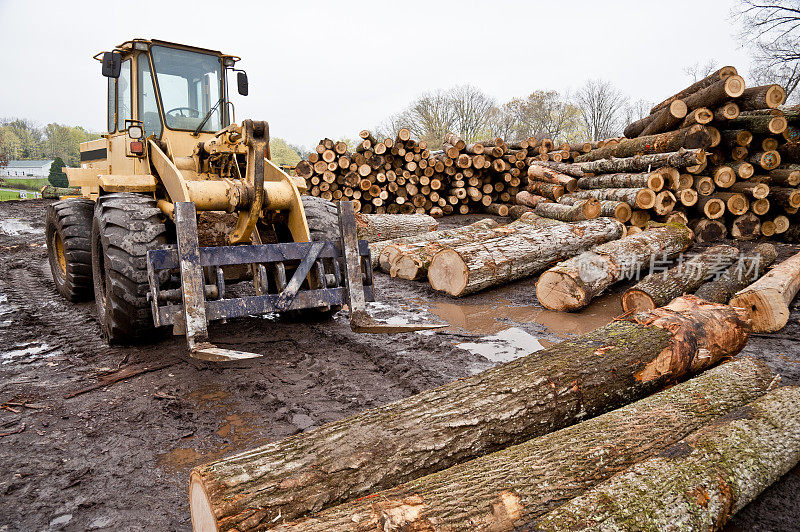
(118, 458)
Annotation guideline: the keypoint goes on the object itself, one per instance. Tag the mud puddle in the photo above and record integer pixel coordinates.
(16, 227)
(26, 353)
(506, 345)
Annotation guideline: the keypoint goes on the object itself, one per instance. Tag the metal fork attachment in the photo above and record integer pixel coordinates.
(197, 302)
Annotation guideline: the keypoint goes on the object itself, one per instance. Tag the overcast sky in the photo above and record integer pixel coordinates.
(332, 68)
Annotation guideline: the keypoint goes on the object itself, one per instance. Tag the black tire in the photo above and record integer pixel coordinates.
(68, 225)
(322, 217)
(124, 228)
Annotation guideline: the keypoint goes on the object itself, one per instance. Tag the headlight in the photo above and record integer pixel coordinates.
(135, 132)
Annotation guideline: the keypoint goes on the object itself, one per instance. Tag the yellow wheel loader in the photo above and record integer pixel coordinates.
(183, 219)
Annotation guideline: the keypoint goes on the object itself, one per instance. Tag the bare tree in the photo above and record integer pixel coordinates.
(771, 28)
(431, 116)
(635, 110)
(471, 109)
(600, 105)
(697, 71)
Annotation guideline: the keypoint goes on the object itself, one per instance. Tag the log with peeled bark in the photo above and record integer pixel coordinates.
(766, 301)
(530, 200)
(763, 97)
(707, 230)
(643, 163)
(531, 396)
(525, 481)
(411, 261)
(659, 288)
(587, 209)
(746, 227)
(571, 285)
(573, 170)
(548, 190)
(716, 93)
(694, 137)
(759, 124)
(700, 482)
(747, 269)
(659, 121)
(375, 227)
(382, 251)
(473, 267)
(549, 175)
(652, 180)
(712, 78)
(641, 198)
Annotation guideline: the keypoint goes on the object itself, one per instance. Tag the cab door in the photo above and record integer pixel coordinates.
(120, 108)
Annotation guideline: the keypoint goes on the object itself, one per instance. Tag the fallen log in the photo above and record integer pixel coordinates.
(383, 251)
(51, 192)
(641, 198)
(659, 288)
(749, 267)
(712, 78)
(545, 391)
(642, 163)
(587, 209)
(652, 180)
(411, 261)
(375, 227)
(535, 477)
(694, 137)
(549, 175)
(699, 482)
(571, 285)
(475, 266)
(766, 301)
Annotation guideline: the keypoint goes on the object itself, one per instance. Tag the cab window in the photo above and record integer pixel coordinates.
(124, 89)
(112, 105)
(148, 106)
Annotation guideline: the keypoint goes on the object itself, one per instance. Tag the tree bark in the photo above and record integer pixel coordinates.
(436, 429)
(499, 491)
(763, 97)
(584, 210)
(694, 137)
(411, 261)
(659, 288)
(375, 227)
(784, 196)
(571, 285)
(573, 170)
(747, 269)
(652, 180)
(473, 267)
(642, 163)
(699, 482)
(549, 175)
(717, 93)
(642, 198)
(766, 301)
(720, 74)
(383, 251)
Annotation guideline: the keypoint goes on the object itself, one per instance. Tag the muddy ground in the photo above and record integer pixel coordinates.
(118, 458)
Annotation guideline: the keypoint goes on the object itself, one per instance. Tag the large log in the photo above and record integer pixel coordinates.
(499, 491)
(787, 175)
(652, 180)
(382, 251)
(571, 285)
(545, 391)
(717, 93)
(766, 301)
(375, 227)
(747, 226)
(700, 482)
(473, 267)
(550, 175)
(642, 163)
(749, 267)
(659, 288)
(693, 137)
(759, 124)
(551, 191)
(587, 209)
(573, 170)
(411, 261)
(524, 197)
(712, 78)
(640, 198)
(763, 97)
(659, 121)
(707, 230)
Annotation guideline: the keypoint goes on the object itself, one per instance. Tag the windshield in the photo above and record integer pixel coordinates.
(191, 85)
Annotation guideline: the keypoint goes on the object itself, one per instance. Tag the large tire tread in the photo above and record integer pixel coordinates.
(71, 220)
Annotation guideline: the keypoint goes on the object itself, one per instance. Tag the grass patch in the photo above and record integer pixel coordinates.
(6, 195)
(34, 184)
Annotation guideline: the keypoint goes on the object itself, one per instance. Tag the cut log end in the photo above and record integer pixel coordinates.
(636, 301)
(448, 272)
(203, 519)
(558, 291)
(765, 308)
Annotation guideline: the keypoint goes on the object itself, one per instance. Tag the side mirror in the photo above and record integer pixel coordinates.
(241, 82)
(112, 64)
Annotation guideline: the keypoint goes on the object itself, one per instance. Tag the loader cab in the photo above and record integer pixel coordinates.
(174, 93)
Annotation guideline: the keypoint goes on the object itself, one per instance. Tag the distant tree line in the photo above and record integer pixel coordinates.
(22, 139)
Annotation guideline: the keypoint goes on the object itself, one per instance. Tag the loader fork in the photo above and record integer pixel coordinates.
(195, 304)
